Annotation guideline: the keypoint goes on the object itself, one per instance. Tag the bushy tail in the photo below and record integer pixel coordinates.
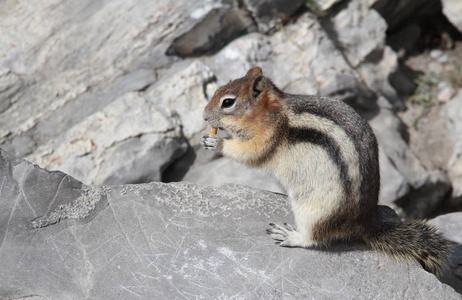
(412, 239)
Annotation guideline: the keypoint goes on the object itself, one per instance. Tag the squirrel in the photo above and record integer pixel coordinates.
(326, 157)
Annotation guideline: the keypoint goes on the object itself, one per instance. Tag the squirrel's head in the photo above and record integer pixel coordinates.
(237, 106)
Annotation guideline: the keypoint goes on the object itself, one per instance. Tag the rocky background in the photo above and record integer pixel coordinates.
(112, 92)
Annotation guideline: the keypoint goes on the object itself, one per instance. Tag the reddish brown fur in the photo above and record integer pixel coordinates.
(250, 124)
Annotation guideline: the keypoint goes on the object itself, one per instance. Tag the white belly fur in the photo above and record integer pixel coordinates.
(314, 185)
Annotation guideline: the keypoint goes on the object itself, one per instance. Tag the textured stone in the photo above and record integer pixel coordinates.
(392, 184)
(449, 225)
(184, 91)
(300, 59)
(217, 28)
(428, 190)
(387, 127)
(453, 113)
(452, 9)
(10, 84)
(130, 140)
(78, 51)
(377, 71)
(359, 31)
(162, 241)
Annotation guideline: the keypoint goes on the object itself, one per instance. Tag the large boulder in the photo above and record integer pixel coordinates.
(62, 239)
(80, 59)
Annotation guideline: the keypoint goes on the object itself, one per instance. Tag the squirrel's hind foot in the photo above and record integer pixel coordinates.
(287, 236)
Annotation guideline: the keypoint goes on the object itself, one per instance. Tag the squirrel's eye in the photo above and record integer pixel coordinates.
(228, 102)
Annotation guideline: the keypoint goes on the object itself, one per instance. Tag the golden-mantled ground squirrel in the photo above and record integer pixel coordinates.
(326, 157)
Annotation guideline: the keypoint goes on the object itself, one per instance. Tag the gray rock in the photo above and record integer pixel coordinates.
(377, 71)
(50, 123)
(185, 90)
(342, 86)
(55, 101)
(224, 170)
(358, 31)
(453, 113)
(452, 9)
(139, 159)
(299, 59)
(387, 127)
(217, 28)
(428, 190)
(393, 185)
(161, 241)
(268, 13)
(449, 227)
(143, 131)
(10, 84)
(81, 59)
(223, 23)
(130, 140)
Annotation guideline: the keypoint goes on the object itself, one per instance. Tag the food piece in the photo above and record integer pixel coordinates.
(213, 131)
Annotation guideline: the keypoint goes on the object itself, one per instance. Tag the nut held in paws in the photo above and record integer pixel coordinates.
(213, 131)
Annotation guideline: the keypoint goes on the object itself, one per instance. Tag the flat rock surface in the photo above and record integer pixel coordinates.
(64, 240)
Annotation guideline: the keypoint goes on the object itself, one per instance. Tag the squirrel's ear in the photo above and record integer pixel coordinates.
(255, 71)
(258, 86)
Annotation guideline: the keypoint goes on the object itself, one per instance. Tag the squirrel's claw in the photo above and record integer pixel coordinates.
(210, 142)
(287, 236)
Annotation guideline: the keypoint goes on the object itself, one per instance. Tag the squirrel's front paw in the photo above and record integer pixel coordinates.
(210, 142)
